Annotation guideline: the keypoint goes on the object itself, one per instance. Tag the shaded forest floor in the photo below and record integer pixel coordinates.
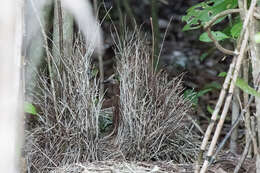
(181, 53)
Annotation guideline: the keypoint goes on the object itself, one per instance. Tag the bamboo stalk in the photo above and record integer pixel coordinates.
(214, 115)
(227, 102)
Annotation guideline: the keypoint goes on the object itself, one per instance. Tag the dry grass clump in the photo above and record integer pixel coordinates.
(152, 113)
(152, 108)
(67, 127)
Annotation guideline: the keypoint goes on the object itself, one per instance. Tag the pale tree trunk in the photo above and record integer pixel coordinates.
(255, 58)
(11, 85)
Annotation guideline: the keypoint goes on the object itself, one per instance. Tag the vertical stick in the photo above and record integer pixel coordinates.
(215, 114)
(235, 114)
(227, 103)
(156, 35)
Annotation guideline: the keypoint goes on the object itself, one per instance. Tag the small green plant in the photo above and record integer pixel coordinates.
(193, 96)
(29, 108)
(198, 15)
(218, 35)
(240, 83)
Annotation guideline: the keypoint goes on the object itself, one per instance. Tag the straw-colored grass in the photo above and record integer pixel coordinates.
(152, 111)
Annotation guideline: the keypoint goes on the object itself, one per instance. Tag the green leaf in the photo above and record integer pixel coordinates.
(222, 74)
(29, 108)
(191, 95)
(213, 85)
(203, 56)
(246, 88)
(204, 91)
(94, 72)
(209, 109)
(257, 37)
(240, 83)
(236, 29)
(203, 12)
(216, 34)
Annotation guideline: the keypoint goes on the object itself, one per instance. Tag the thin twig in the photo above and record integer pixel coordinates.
(218, 46)
(242, 159)
(209, 24)
(227, 103)
(248, 16)
(221, 145)
(195, 124)
(153, 44)
(160, 51)
(252, 128)
(215, 114)
(223, 13)
(60, 20)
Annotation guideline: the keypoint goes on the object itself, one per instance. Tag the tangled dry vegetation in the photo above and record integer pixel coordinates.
(152, 124)
(152, 108)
